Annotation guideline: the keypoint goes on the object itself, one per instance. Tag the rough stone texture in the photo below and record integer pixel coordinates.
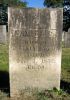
(34, 49)
(3, 34)
(67, 39)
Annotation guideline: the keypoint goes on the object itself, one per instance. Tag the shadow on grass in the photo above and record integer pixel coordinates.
(4, 82)
(65, 86)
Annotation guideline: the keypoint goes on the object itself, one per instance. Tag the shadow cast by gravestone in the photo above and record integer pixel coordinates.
(4, 82)
(65, 86)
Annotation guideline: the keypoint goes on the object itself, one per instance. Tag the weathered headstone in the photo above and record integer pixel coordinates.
(34, 49)
(3, 34)
(67, 39)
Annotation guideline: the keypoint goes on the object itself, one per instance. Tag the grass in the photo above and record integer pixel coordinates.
(4, 62)
(54, 94)
(66, 64)
(36, 95)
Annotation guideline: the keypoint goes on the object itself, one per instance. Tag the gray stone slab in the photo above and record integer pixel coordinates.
(67, 39)
(3, 34)
(34, 49)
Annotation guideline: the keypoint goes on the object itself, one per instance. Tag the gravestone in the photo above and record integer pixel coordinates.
(63, 36)
(34, 49)
(3, 34)
(67, 39)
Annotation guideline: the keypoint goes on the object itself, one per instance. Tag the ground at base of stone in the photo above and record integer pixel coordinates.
(35, 95)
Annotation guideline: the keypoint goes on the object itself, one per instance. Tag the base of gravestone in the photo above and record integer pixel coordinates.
(28, 93)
